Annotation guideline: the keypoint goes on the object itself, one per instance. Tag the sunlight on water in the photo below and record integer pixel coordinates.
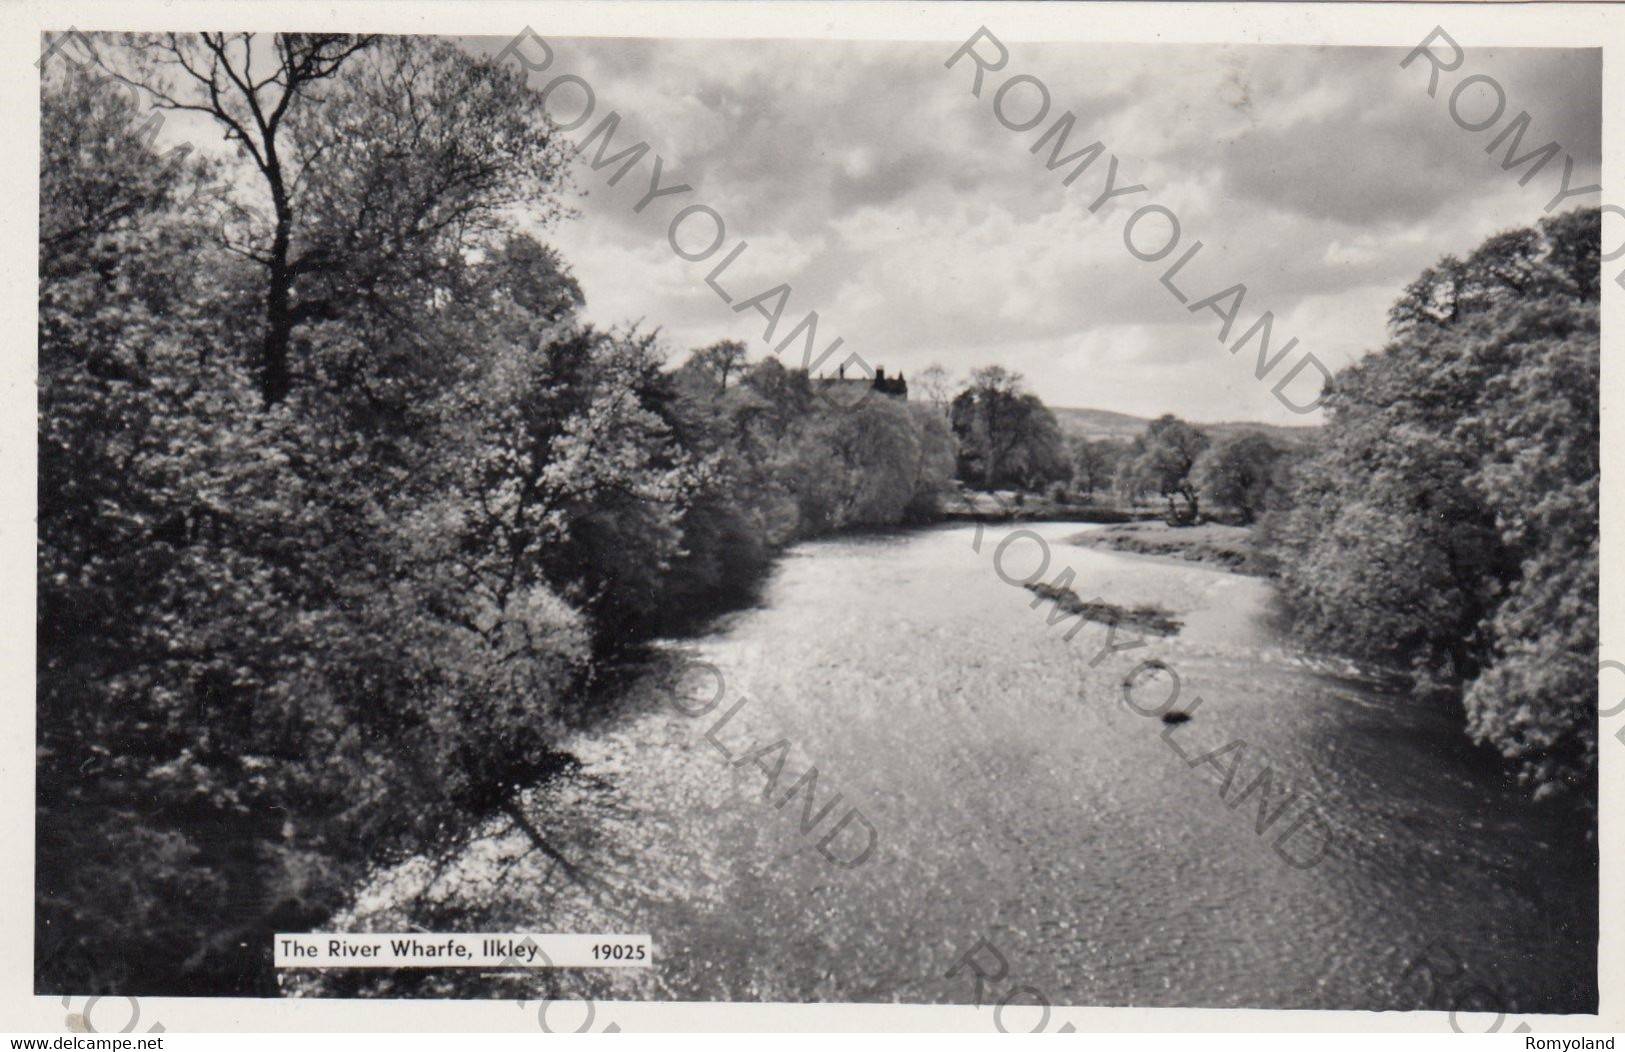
(1016, 795)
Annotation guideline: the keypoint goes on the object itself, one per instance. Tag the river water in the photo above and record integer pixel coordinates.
(1017, 796)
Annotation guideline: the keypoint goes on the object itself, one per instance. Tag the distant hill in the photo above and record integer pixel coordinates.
(1103, 423)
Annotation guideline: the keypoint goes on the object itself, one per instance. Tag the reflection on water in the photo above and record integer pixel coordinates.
(1016, 796)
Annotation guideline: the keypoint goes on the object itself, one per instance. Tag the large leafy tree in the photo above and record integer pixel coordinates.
(1448, 513)
(1165, 464)
(1006, 435)
(1094, 464)
(372, 161)
(856, 468)
(1240, 471)
(213, 74)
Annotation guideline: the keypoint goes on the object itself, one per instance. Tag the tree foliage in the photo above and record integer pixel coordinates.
(1448, 514)
(1095, 464)
(375, 162)
(1164, 463)
(343, 508)
(1240, 472)
(1007, 437)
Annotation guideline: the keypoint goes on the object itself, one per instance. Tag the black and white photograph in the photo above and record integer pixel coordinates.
(965, 519)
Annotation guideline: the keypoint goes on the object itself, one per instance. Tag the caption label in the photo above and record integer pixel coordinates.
(429, 950)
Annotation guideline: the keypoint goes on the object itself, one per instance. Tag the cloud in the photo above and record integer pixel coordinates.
(866, 176)
(1389, 155)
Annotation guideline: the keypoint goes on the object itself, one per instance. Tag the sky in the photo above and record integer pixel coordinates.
(869, 178)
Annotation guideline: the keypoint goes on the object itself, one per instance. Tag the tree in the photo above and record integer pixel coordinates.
(1558, 259)
(1126, 481)
(371, 178)
(718, 362)
(1164, 466)
(1006, 435)
(537, 279)
(1094, 464)
(1536, 701)
(212, 73)
(934, 466)
(1238, 472)
(1447, 513)
(935, 386)
(856, 468)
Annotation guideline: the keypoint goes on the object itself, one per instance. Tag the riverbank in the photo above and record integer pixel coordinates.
(1010, 506)
(1229, 547)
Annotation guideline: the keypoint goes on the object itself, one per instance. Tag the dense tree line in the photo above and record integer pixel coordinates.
(343, 509)
(1447, 515)
(1234, 477)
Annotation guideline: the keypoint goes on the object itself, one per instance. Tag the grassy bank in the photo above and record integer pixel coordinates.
(1230, 547)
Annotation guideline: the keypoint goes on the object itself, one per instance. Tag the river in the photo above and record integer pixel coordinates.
(1017, 796)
